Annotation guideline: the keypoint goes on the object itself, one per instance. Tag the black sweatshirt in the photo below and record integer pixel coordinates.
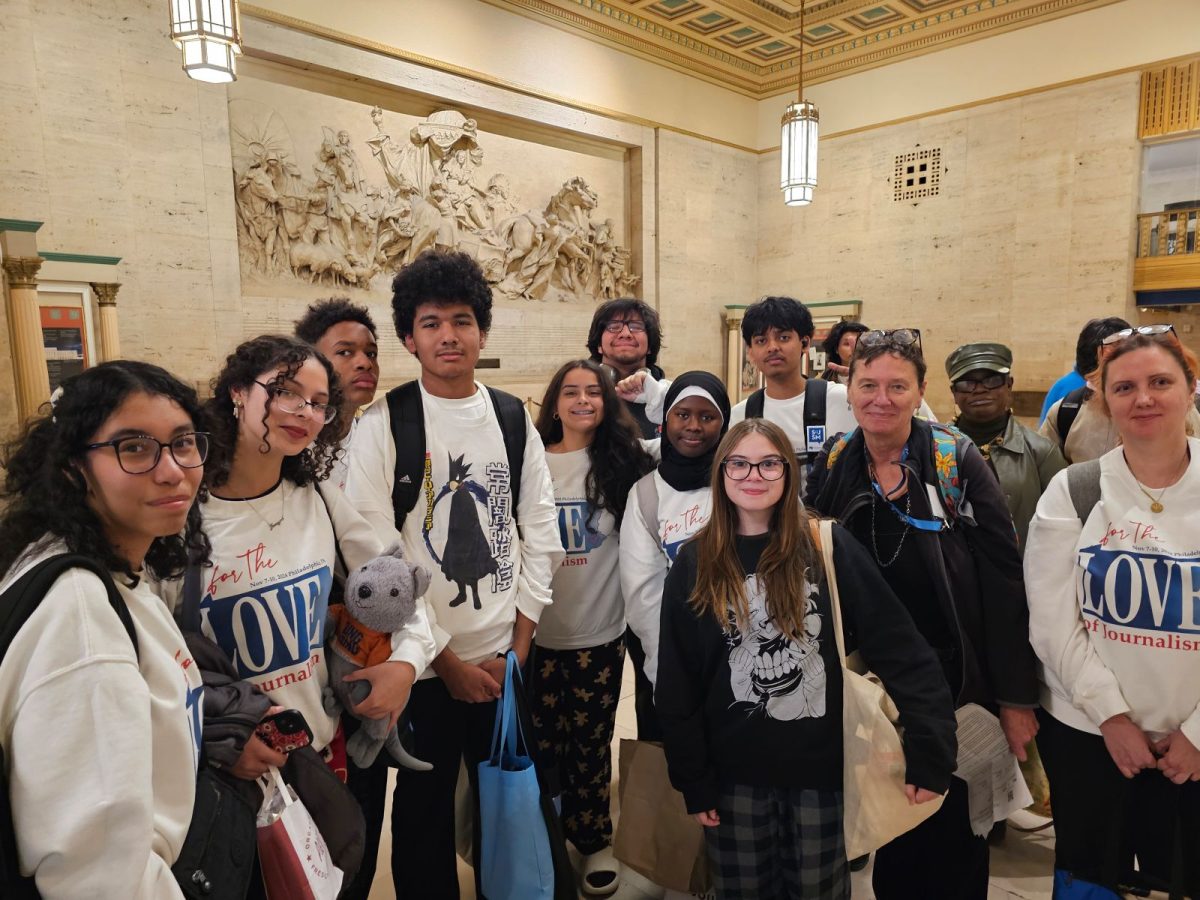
(758, 709)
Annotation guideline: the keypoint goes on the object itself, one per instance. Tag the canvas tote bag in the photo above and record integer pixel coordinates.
(876, 808)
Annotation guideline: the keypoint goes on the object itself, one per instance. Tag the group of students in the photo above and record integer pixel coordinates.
(635, 512)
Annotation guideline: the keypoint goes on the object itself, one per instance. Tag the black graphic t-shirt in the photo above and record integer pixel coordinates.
(750, 706)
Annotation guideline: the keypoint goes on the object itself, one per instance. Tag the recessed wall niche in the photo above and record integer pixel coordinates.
(334, 195)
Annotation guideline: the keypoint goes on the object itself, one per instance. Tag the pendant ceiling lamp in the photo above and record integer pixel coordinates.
(798, 143)
(209, 34)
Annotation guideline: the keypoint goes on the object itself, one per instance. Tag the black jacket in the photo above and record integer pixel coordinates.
(232, 710)
(721, 728)
(974, 564)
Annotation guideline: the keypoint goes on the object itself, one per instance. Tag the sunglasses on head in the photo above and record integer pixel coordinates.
(1148, 330)
(895, 337)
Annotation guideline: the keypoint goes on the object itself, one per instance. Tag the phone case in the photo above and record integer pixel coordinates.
(284, 733)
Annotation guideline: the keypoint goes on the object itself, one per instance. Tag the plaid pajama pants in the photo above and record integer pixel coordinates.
(778, 844)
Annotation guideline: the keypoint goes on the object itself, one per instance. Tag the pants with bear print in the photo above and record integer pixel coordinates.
(574, 697)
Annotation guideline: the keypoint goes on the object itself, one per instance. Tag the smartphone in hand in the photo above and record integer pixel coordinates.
(285, 731)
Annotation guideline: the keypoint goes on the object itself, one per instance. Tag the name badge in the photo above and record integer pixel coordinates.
(815, 438)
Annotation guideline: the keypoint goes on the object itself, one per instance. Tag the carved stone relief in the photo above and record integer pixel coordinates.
(354, 212)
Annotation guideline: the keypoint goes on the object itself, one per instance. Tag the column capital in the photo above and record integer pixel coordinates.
(22, 270)
(106, 292)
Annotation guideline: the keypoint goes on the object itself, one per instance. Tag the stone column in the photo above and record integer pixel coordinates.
(733, 353)
(25, 332)
(110, 335)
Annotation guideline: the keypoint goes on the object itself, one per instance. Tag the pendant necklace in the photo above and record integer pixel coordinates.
(1156, 502)
(875, 500)
(271, 526)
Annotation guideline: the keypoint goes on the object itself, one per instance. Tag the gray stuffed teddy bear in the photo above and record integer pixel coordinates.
(380, 598)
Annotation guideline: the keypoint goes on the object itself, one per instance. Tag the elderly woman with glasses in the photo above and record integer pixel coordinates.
(924, 502)
(1112, 595)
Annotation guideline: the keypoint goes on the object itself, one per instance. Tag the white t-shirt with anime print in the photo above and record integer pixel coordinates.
(785, 679)
(463, 527)
(646, 557)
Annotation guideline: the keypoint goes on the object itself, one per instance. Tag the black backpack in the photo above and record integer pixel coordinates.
(17, 604)
(408, 434)
(1068, 412)
(815, 394)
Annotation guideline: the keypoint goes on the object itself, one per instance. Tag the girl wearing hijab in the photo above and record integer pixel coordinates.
(664, 509)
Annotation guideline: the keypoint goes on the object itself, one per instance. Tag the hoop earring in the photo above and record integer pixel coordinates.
(555, 416)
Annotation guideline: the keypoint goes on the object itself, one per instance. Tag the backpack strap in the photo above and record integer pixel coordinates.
(25, 595)
(1068, 412)
(816, 393)
(408, 435)
(1083, 483)
(647, 498)
(838, 446)
(511, 413)
(17, 604)
(947, 446)
(755, 403)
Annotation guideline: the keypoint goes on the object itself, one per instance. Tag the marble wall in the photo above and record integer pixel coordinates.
(1030, 235)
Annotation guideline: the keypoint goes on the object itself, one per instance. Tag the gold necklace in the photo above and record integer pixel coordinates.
(1156, 502)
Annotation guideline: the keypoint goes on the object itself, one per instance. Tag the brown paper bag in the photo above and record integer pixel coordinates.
(655, 835)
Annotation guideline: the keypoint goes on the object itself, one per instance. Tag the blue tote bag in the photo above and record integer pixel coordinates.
(515, 858)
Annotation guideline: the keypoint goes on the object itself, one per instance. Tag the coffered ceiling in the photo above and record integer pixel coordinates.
(754, 46)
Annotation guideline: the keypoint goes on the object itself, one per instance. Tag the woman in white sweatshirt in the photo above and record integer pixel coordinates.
(1113, 571)
(278, 534)
(101, 740)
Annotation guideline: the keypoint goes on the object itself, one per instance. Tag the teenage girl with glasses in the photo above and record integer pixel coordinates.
(749, 680)
(278, 533)
(101, 740)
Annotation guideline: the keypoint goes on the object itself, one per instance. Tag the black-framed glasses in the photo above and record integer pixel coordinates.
(291, 402)
(971, 385)
(897, 337)
(770, 469)
(634, 326)
(1148, 330)
(138, 454)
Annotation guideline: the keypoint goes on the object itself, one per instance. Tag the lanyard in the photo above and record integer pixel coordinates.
(921, 524)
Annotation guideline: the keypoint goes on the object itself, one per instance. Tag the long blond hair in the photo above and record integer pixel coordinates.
(790, 559)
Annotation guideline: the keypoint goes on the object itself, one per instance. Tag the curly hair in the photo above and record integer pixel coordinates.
(324, 314)
(616, 458)
(44, 493)
(243, 367)
(624, 307)
(834, 338)
(440, 277)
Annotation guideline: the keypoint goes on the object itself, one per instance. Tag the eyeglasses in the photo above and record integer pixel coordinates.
(897, 337)
(291, 402)
(1148, 330)
(138, 454)
(634, 326)
(770, 469)
(971, 385)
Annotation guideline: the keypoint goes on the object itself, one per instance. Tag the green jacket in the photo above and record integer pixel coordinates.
(1024, 463)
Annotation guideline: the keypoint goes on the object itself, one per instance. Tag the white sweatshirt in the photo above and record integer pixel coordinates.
(466, 432)
(341, 464)
(645, 559)
(1114, 605)
(587, 610)
(265, 599)
(101, 745)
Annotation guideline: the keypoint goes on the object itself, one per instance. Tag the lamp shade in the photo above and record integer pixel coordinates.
(208, 33)
(798, 153)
